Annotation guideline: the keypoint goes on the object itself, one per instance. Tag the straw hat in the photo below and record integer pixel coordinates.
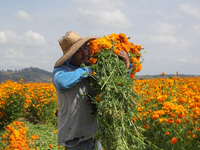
(69, 44)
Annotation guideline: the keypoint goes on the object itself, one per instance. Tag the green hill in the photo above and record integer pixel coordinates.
(27, 74)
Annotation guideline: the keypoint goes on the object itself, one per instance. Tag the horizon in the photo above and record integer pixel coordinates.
(17, 70)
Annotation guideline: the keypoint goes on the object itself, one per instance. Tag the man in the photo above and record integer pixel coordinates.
(76, 115)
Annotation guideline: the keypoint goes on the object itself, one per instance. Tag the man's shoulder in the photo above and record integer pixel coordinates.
(63, 68)
(60, 69)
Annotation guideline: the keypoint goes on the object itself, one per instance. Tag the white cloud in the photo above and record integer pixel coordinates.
(182, 60)
(194, 61)
(181, 11)
(176, 15)
(102, 13)
(195, 29)
(143, 12)
(11, 53)
(2, 37)
(33, 38)
(11, 37)
(29, 38)
(144, 2)
(23, 15)
(99, 4)
(105, 18)
(164, 28)
(169, 43)
(191, 10)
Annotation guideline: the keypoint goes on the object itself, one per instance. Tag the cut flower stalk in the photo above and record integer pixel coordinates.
(114, 87)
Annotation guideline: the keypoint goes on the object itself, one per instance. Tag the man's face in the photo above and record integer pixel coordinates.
(81, 56)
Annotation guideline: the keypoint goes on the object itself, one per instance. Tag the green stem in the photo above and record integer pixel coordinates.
(108, 78)
(125, 143)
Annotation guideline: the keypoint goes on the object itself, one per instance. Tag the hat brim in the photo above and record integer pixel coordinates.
(73, 50)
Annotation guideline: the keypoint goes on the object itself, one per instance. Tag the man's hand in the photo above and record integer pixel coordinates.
(125, 58)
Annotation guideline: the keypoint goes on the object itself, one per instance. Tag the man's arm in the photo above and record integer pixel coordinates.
(64, 79)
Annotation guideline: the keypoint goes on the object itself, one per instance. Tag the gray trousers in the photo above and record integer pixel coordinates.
(84, 145)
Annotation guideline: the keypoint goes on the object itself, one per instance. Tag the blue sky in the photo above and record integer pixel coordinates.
(168, 30)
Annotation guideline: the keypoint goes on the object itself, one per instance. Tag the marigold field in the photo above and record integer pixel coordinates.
(167, 112)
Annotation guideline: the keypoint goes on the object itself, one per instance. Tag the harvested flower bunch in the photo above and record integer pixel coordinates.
(115, 98)
(115, 43)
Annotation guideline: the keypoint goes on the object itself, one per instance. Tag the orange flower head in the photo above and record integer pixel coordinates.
(92, 61)
(51, 146)
(173, 140)
(146, 126)
(34, 137)
(155, 116)
(161, 98)
(188, 132)
(93, 72)
(178, 121)
(167, 133)
(170, 121)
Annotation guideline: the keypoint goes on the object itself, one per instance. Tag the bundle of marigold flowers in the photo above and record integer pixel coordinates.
(115, 43)
(115, 96)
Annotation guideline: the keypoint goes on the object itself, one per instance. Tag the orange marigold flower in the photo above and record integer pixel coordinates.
(34, 137)
(97, 97)
(123, 37)
(167, 105)
(132, 76)
(188, 132)
(197, 98)
(181, 100)
(179, 115)
(138, 68)
(51, 146)
(138, 47)
(167, 133)
(173, 140)
(161, 112)
(93, 72)
(178, 121)
(162, 120)
(146, 126)
(134, 50)
(135, 61)
(173, 115)
(170, 121)
(139, 118)
(116, 51)
(56, 131)
(194, 136)
(92, 61)
(133, 119)
(155, 116)
(124, 47)
(161, 98)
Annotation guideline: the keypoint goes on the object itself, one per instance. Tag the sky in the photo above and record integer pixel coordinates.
(169, 31)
